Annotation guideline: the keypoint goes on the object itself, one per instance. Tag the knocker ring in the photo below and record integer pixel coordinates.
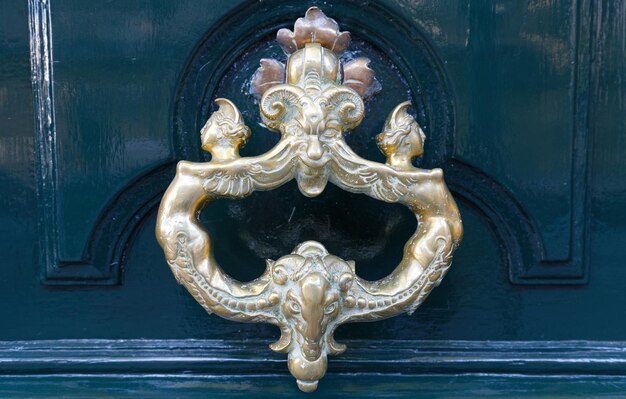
(311, 101)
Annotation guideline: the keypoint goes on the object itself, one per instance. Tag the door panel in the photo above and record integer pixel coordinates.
(522, 104)
(510, 81)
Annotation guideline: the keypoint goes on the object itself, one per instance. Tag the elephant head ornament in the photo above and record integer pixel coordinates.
(313, 287)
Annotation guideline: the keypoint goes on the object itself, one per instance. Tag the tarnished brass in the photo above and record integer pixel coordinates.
(311, 102)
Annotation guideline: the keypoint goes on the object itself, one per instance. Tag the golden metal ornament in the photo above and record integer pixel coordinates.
(311, 102)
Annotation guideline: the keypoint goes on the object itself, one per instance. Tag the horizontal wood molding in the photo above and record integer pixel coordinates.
(233, 357)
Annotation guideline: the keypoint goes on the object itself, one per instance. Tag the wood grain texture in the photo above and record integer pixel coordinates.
(391, 357)
(335, 386)
(390, 368)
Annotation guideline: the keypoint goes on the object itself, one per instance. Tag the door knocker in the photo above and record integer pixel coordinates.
(311, 101)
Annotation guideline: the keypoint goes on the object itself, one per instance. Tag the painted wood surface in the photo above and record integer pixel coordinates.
(337, 386)
(523, 104)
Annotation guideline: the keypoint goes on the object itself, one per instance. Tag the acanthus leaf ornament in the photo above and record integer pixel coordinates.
(311, 101)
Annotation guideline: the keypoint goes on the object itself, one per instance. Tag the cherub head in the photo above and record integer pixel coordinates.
(225, 132)
(402, 139)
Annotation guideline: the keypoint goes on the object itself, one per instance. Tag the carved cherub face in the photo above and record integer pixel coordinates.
(402, 138)
(224, 133)
(405, 139)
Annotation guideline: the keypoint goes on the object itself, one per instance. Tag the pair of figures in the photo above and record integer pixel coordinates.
(401, 140)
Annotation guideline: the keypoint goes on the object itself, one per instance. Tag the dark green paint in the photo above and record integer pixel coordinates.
(337, 386)
(523, 104)
(189, 368)
(234, 356)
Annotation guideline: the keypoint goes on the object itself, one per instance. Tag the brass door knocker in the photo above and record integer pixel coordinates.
(311, 102)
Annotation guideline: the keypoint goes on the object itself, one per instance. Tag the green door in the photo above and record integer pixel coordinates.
(523, 104)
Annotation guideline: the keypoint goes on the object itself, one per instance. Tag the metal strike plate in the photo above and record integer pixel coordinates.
(311, 101)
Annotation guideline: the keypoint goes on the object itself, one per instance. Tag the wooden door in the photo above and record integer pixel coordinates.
(523, 106)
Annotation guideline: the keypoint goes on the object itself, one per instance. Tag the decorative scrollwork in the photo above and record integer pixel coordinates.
(309, 292)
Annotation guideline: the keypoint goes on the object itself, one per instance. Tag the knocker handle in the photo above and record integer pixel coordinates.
(312, 100)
